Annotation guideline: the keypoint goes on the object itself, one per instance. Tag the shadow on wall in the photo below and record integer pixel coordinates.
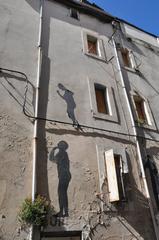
(59, 156)
(15, 85)
(138, 215)
(67, 96)
(34, 4)
(133, 215)
(41, 169)
(150, 165)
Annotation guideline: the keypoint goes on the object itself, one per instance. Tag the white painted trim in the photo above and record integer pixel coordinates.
(147, 114)
(108, 102)
(90, 95)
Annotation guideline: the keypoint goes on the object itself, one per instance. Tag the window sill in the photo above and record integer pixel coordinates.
(105, 117)
(133, 70)
(145, 125)
(95, 56)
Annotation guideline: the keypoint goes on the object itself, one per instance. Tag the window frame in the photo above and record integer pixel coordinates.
(103, 182)
(100, 45)
(78, 15)
(113, 180)
(103, 89)
(112, 116)
(141, 110)
(93, 40)
(149, 123)
(149, 113)
(131, 59)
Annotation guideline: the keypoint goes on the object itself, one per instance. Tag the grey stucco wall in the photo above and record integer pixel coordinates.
(144, 81)
(18, 51)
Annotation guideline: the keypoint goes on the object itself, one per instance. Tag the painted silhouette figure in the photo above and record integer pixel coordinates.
(71, 105)
(150, 164)
(59, 155)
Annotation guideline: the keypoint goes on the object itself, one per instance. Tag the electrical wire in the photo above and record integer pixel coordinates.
(71, 124)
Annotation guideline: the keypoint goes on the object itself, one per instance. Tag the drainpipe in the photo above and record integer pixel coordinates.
(35, 136)
(137, 142)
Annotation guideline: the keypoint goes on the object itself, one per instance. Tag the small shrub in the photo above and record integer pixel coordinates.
(34, 213)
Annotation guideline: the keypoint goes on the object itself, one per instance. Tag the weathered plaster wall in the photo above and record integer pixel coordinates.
(18, 51)
(62, 36)
(122, 219)
(144, 81)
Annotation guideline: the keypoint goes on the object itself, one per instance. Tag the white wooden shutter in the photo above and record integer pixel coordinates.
(111, 176)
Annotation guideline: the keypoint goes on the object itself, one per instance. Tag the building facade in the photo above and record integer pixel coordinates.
(79, 121)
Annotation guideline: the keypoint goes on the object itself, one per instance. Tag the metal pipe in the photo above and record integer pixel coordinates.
(37, 102)
(35, 136)
(137, 142)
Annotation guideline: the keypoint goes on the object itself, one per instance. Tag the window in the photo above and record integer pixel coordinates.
(74, 13)
(140, 107)
(119, 173)
(126, 57)
(143, 113)
(129, 60)
(101, 99)
(115, 174)
(92, 45)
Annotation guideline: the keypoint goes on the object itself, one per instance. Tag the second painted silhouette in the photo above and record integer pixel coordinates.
(59, 155)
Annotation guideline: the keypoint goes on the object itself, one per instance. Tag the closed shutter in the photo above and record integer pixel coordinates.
(111, 176)
(101, 100)
(125, 56)
(101, 49)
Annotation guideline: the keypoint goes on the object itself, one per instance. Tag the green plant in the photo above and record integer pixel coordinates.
(34, 212)
(141, 121)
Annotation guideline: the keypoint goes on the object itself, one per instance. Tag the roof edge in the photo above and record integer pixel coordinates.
(89, 9)
(132, 25)
(98, 12)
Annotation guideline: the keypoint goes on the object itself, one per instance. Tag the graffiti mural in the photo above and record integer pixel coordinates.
(59, 156)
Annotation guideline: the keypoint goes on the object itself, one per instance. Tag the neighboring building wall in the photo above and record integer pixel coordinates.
(18, 51)
(143, 81)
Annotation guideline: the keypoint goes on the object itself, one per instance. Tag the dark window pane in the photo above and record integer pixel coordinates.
(126, 59)
(139, 104)
(74, 13)
(118, 166)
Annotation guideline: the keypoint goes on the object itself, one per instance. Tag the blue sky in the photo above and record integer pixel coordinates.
(141, 13)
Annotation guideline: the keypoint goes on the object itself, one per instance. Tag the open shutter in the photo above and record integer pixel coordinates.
(111, 176)
(101, 49)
